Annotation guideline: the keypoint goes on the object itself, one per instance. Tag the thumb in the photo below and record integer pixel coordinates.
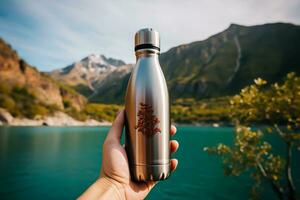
(115, 131)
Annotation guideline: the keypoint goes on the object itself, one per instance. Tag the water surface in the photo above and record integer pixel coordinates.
(60, 163)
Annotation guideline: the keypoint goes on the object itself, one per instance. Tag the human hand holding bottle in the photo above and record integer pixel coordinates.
(114, 181)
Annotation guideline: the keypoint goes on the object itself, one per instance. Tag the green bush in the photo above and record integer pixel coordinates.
(21, 103)
(67, 103)
(207, 110)
(35, 110)
(7, 103)
(279, 108)
(79, 115)
(102, 112)
(4, 88)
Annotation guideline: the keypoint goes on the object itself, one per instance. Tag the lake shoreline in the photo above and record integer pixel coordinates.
(58, 119)
(61, 119)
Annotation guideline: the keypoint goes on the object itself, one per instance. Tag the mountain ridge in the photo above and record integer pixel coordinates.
(218, 66)
(203, 64)
(222, 64)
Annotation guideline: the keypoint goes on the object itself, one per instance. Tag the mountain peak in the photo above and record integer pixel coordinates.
(234, 27)
(100, 59)
(94, 57)
(87, 71)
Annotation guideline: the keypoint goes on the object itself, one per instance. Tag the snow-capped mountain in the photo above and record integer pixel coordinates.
(99, 63)
(84, 74)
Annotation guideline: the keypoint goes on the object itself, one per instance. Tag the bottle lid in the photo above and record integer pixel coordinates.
(147, 38)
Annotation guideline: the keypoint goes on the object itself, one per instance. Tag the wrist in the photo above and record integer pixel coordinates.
(112, 187)
(104, 188)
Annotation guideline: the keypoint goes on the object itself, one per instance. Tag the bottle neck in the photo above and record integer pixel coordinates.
(143, 53)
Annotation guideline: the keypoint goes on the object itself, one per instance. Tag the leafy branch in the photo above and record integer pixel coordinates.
(278, 107)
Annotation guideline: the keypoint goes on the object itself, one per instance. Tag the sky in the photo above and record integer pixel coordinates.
(55, 33)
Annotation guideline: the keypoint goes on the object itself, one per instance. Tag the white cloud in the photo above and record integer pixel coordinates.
(61, 32)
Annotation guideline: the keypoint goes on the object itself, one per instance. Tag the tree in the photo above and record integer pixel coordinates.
(278, 107)
(147, 121)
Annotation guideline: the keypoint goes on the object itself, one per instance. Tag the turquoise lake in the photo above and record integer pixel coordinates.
(60, 163)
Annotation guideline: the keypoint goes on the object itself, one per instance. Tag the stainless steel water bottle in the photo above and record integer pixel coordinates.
(147, 112)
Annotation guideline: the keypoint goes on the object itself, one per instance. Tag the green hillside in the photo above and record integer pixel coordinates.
(228, 61)
(222, 64)
(201, 76)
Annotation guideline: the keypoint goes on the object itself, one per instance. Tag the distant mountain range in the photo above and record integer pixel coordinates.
(220, 65)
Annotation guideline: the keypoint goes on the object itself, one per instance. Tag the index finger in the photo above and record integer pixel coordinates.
(173, 130)
(115, 131)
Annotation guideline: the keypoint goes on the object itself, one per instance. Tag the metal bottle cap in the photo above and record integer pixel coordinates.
(147, 38)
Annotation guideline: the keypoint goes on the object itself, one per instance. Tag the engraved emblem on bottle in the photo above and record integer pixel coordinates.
(147, 122)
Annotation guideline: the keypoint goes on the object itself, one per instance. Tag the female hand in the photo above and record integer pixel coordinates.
(115, 169)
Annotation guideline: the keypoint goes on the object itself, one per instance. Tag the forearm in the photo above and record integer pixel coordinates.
(103, 188)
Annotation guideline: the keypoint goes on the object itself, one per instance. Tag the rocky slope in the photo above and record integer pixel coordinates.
(19, 78)
(108, 89)
(220, 65)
